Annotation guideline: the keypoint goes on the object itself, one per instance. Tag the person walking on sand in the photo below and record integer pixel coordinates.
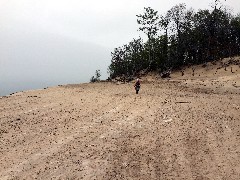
(137, 85)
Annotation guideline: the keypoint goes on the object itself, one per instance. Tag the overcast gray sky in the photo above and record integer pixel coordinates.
(49, 42)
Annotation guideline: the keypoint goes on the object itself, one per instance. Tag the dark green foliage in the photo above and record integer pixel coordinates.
(128, 59)
(181, 37)
(149, 22)
(97, 76)
(92, 79)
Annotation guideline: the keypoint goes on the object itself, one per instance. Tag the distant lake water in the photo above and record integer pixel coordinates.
(39, 60)
(8, 88)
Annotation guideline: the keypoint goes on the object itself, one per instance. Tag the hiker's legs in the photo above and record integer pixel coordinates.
(137, 89)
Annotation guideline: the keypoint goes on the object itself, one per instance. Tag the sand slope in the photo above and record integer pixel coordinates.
(183, 128)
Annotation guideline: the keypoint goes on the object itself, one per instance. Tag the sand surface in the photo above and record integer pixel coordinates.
(187, 127)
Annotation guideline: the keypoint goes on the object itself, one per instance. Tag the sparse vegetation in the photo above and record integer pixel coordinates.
(96, 78)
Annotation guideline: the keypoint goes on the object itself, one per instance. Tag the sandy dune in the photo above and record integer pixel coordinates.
(187, 127)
